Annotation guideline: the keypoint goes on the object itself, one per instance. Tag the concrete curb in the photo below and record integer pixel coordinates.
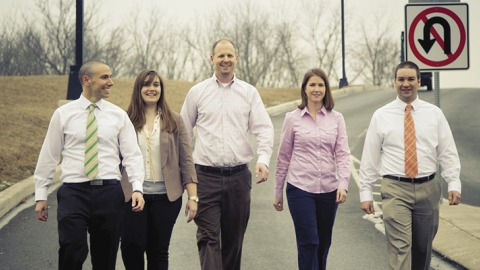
(458, 236)
(17, 193)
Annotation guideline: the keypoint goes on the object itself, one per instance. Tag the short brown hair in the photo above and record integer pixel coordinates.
(223, 40)
(327, 101)
(407, 64)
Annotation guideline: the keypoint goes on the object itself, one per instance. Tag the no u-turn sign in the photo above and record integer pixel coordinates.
(437, 36)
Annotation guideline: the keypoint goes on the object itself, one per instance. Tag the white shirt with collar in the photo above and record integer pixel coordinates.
(223, 116)
(383, 152)
(66, 138)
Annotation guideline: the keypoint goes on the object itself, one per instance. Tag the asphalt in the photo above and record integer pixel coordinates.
(457, 240)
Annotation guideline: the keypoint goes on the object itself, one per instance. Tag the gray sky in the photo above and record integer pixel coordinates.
(118, 10)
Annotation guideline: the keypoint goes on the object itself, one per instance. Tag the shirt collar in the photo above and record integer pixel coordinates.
(85, 103)
(214, 77)
(402, 104)
(305, 110)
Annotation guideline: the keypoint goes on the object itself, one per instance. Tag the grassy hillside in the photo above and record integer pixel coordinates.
(28, 102)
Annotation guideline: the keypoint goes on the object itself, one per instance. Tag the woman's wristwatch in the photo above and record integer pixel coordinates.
(193, 198)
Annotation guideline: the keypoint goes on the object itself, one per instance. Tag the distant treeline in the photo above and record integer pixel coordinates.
(276, 45)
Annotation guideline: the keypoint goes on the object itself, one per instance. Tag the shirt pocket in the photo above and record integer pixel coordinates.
(303, 136)
(330, 137)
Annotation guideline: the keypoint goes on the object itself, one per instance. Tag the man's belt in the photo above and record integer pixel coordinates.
(418, 180)
(221, 170)
(96, 182)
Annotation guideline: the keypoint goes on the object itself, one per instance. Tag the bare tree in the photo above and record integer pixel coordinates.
(200, 37)
(15, 56)
(8, 49)
(252, 30)
(113, 51)
(157, 44)
(376, 53)
(322, 34)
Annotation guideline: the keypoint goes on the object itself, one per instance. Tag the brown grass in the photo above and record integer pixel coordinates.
(28, 102)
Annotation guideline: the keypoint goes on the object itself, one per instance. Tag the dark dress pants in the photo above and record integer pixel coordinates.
(224, 208)
(149, 231)
(96, 209)
(313, 217)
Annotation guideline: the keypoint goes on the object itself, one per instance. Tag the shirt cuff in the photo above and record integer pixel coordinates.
(263, 159)
(137, 185)
(343, 185)
(366, 196)
(455, 186)
(41, 194)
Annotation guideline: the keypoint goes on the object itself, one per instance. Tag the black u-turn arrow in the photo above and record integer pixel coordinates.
(427, 43)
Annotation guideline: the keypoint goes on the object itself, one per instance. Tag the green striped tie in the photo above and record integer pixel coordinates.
(91, 147)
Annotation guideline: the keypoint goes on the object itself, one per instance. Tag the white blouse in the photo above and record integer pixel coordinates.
(149, 143)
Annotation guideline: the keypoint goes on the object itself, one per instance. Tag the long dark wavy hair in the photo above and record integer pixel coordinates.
(327, 101)
(136, 108)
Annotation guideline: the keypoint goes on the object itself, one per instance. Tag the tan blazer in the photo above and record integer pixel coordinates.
(177, 162)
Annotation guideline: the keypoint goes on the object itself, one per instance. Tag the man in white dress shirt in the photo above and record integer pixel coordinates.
(92, 203)
(224, 109)
(409, 204)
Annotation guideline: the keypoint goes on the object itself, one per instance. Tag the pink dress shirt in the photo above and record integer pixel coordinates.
(313, 154)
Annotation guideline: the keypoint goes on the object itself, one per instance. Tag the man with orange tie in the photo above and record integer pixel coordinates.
(406, 140)
(89, 134)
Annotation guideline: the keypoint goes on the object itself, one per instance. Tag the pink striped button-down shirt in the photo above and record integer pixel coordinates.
(313, 154)
(223, 115)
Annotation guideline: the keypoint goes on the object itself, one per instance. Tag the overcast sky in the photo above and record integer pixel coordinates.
(184, 10)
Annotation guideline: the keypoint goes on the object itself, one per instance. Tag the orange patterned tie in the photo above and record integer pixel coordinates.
(411, 165)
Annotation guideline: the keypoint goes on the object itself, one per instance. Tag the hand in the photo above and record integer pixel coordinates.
(260, 167)
(341, 196)
(191, 207)
(278, 204)
(454, 197)
(367, 206)
(137, 202)
(41, 209)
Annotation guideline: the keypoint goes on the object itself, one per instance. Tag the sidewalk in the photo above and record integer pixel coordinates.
(458, 237)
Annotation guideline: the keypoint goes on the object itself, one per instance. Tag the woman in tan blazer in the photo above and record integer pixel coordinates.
(169, 169)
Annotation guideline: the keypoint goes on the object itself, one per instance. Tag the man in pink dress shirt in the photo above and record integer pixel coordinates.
(224, 109)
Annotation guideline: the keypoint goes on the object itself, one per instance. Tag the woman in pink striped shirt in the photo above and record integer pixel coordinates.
(314, 156)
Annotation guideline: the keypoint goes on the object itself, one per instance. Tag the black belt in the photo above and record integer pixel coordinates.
(96, 182)
(221, 170)
(414, 180)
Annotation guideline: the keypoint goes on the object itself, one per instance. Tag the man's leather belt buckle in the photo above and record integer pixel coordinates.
(221, 170)
(413, 181)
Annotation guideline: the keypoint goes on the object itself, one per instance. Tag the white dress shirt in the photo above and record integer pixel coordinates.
(223, 115)
(66, 138)
(383, 152)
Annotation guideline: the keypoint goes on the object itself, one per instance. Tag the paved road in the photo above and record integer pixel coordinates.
(26, 243)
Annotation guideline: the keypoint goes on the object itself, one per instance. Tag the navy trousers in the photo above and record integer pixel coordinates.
(94, 209)
(313, 217)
